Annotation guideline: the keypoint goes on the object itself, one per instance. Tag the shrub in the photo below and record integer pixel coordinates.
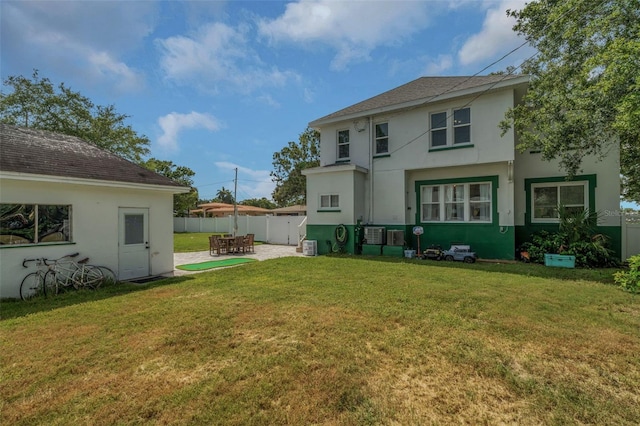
(591, 252)
(630, 280)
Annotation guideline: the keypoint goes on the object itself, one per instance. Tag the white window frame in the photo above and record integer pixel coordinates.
(376, 138)
(450, 127)
(466, 203)
(332, 201)
(338, 144)
(557, 185)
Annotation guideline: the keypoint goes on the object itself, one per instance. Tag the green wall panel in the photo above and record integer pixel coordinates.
(326, 238)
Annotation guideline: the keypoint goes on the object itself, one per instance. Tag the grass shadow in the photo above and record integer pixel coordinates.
(16, 308)
(603, 275)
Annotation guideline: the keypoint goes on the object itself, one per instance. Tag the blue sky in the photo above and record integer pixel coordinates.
(217, 85)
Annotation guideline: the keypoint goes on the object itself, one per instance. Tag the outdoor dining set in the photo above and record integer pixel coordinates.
(229, 244)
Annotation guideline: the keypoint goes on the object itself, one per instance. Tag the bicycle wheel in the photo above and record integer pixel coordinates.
(50, 284)
(31, 286)
(88, 276)
(109, 277)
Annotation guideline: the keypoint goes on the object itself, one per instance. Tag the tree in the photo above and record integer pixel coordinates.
(584, 94)
(288, 163)
(224, 196)
(182, 203)
(261, 202)
(37, 104)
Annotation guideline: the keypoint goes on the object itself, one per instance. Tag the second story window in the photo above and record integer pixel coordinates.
(343, 144)
(382, 138)
(451, 128)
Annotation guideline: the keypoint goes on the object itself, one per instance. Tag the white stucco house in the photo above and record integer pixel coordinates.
(61, 195)
(430, 154)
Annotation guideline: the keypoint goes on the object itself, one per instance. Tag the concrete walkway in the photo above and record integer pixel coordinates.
(262, 252)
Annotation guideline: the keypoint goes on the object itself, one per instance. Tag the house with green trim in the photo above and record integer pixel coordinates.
(430, 154)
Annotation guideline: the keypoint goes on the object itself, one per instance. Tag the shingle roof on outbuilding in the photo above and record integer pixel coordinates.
(427, 89)
(24, 150)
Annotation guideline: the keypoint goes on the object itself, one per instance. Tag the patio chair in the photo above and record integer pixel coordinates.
(248, 243)
(238, 244)
(214, 245)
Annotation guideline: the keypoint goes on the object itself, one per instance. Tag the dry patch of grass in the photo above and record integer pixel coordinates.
(327, 341)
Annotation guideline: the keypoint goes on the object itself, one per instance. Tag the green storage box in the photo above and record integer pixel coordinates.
(394, 251)
(371, 250)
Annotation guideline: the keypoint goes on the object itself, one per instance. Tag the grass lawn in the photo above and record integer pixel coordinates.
(328, 340)
(184, 242)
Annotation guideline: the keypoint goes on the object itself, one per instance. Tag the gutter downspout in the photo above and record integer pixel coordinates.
(372, 141)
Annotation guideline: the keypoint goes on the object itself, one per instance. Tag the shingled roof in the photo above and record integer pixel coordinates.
(24, 150)
(426, 89)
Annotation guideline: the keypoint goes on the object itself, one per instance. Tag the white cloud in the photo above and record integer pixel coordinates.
(78, 38)
(496, 36)
(352, 28)
(173, 123)
(254, 183)
(441, 64)
(217, 55)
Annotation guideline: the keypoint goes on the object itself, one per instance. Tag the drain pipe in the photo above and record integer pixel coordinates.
(372, 141)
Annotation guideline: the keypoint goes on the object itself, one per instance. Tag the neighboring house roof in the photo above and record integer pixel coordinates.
(224, 208)
(420, 91)
(290, 209)
(40, 152)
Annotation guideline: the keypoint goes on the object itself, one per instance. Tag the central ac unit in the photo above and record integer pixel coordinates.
(374, 235)
(395, 238)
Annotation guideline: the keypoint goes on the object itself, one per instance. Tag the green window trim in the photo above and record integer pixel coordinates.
(591, 180)
(328, 211)
(17, 246)
(382, 156)
(494, 180)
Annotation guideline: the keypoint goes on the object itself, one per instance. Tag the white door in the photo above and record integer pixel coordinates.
(133, 243)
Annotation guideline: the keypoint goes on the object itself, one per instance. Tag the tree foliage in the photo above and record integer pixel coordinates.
(259, 202)
(584, 95)
(37, 104)
(224, 196)
(182, 203)
(288, 163)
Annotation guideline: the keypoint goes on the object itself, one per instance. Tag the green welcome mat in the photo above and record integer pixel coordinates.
(213, 264)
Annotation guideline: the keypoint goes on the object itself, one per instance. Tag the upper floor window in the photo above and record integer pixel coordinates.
(343, 144)
(548, 198)
(382, 138)
(34, 223)
(460, 202)
(329, 201)
(450, 128)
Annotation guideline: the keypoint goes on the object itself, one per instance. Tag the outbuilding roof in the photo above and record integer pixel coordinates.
(421, 90)
(40, 152)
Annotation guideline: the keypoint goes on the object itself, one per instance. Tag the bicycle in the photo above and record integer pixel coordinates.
(40, 282)
(67, 273)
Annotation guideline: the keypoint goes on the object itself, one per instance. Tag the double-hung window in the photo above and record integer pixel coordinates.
(450, 128)
(34, 223)
(548, 198)
(457, 202)
(329, 202)
(382, 138)
(343, 144)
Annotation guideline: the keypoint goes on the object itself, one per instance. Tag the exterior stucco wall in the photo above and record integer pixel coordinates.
(94, 226)
(348, 185)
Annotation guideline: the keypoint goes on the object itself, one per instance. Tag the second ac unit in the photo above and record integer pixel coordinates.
(395, 238)
(374, 235)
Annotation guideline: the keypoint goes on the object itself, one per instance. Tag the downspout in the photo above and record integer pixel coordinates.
(372, 141)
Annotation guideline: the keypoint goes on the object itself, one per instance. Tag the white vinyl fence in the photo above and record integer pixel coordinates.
(630, 239)
(270, 229)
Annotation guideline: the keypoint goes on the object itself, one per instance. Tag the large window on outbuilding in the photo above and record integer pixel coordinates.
(548, 198)
(343, 144)
(34, 223)
(457, 202)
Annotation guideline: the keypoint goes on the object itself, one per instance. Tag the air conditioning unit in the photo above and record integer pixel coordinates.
(309, 247)
(374, 235)
(395, 238)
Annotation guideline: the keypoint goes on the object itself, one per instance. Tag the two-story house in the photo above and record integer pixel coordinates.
(430, 154)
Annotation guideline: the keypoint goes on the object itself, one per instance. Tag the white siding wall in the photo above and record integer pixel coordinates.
(94, 226)
(348, 185)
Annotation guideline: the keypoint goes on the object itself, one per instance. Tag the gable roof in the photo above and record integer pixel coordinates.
(40, 152)
(420, 91)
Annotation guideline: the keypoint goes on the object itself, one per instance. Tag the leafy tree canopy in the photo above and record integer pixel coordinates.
(37, 104)
(288, 163)
(182, 203)
(224, 196)
(584, 95)
(259, 202)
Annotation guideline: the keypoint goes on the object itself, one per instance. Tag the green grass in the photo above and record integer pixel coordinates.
(329, 340)
(185, 242)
